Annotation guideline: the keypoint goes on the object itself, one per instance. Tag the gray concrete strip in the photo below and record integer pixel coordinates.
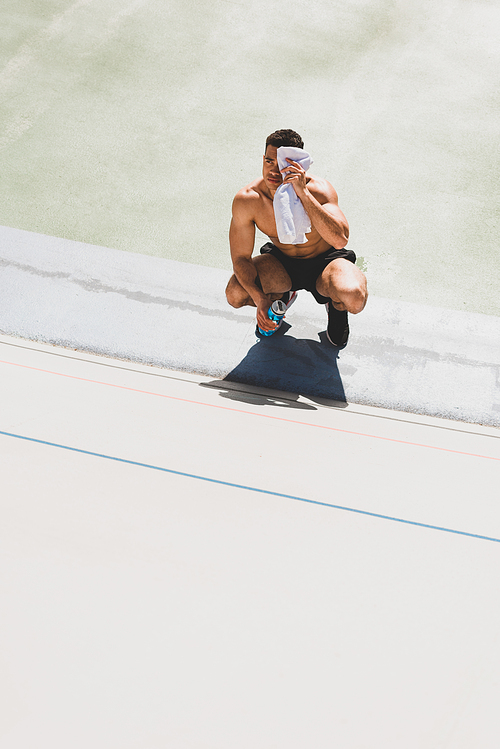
(402, 356)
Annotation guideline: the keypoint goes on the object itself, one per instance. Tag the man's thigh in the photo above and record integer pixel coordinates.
(339, 276)
(272, 275)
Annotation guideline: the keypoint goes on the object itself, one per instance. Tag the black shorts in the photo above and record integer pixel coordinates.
(304, 272)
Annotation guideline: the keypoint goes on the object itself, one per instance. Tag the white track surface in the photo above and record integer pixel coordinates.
(197, 601)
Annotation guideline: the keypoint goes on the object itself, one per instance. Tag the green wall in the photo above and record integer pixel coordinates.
(132, 124)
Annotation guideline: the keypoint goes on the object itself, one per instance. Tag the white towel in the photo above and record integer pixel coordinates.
(292, 222)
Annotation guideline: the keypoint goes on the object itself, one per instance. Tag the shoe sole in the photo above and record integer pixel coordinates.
(338, 345)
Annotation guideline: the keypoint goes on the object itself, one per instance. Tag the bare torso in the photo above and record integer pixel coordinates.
(262, 214)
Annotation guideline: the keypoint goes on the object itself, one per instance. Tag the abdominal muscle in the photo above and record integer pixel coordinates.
(314, 246)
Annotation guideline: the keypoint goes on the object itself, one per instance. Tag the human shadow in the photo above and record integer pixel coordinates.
(292, 366)
(257, 396)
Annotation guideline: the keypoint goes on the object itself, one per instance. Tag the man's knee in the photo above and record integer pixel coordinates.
(355, 298)
(235, 294)
(349, 284)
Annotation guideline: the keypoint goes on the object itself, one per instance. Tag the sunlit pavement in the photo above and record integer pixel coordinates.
(190, 563)
(255, 555)
(400, 355)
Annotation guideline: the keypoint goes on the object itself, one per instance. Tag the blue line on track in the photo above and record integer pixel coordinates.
(251, 488)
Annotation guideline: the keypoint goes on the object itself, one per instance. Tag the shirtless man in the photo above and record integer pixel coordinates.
(321, 265)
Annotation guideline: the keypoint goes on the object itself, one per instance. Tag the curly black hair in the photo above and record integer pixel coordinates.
(284, 138)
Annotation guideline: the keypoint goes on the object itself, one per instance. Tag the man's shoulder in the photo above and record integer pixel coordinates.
(251, 192)
(322, 190)
(247, 199)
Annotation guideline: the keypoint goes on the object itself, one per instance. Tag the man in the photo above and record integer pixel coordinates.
(321, 264)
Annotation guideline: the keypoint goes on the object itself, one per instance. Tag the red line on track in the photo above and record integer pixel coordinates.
(250, 413)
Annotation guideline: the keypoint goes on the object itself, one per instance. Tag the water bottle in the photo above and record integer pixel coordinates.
(275, 312)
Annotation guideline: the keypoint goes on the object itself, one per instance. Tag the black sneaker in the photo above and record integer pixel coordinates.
(337, 331)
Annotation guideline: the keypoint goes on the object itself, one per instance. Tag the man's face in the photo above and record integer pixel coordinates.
(270, 171)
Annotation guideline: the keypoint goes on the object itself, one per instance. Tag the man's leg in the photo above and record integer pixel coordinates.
(271, 277)
(345, 286)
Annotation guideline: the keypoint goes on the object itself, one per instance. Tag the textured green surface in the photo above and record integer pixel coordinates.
(131, 125)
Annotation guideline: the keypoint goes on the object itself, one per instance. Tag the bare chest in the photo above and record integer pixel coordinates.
(265, 221)
(264, 218)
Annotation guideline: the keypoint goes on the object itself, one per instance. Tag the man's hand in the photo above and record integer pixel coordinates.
(263, 320)
(295, 175)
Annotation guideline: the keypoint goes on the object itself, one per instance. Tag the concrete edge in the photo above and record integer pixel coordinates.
(401, 356)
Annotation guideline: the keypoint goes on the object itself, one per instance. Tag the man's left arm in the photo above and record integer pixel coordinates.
(321, 205)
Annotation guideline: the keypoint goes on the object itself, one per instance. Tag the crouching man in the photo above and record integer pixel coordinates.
(316, 260)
